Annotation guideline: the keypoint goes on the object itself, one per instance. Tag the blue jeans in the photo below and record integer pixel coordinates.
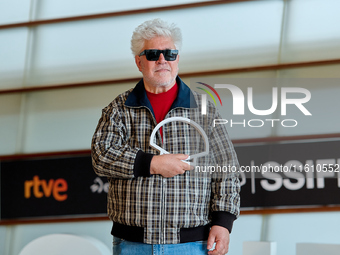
(123, 247)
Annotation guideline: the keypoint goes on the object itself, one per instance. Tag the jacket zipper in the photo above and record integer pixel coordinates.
(163, 181)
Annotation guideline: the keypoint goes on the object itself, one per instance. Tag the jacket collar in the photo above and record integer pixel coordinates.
(184, 99)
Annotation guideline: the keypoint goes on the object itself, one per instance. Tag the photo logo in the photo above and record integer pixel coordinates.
(239, 99)
(204, 96)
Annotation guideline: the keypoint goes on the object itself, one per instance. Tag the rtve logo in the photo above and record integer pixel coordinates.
(43, 188)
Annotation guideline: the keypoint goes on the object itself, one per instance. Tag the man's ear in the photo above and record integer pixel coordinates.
(138, 63)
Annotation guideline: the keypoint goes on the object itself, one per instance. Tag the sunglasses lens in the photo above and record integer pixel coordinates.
(153, 55)
(170, 55)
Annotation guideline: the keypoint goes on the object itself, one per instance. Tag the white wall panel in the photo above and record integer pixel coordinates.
(323, 83)
(12, 57)
(259, 248)
(9, 122)
(326, 71)
(316, 249)
(100, 49)
(289, 229)
(64, 8)
(245, 228)
(231, 35)
(65, 119)
(3, 239)
(312, 30)
(14, 11)
(324, 106)
(82, 51)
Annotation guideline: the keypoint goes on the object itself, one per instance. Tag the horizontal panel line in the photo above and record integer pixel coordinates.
(87, 152)
(46, 155)
(183, 75)
(120, 13)
(291, 210)
(63, 219)
(286, 138)
(105, 218)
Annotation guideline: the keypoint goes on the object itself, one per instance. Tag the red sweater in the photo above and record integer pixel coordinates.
(162, 102)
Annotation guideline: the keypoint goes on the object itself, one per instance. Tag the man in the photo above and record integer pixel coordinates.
(157, 202)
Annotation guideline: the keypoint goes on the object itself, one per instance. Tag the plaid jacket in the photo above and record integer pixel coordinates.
(150, 208)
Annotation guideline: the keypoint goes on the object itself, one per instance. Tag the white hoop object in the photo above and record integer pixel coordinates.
(188, 121)
(66, 244)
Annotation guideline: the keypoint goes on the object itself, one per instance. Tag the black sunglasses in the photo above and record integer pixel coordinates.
(153, 55)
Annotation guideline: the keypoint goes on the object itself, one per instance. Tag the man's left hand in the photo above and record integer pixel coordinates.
(220, 236)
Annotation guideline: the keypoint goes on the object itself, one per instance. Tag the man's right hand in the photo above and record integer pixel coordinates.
(169, 165)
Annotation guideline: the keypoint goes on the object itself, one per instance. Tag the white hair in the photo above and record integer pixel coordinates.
(153, 28)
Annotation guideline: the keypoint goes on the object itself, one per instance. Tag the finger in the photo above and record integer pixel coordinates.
(216, 252)
(219, 249)
(186, 166)
(213, 252)
(182, 156)
(210, 242)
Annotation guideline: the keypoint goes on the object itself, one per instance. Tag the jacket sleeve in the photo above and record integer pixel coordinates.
(225, 187)
(112, 155)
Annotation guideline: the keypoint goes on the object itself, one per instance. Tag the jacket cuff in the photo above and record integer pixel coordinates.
(142, 163)
(223, 219)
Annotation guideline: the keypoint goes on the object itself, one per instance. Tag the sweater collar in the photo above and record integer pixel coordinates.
(184, 99)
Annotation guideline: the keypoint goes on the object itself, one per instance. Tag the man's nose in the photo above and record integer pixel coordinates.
(161, 58)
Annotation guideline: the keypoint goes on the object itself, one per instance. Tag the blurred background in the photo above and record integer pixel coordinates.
(62, 61)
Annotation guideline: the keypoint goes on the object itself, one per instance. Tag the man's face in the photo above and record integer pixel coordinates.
(160, 75)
